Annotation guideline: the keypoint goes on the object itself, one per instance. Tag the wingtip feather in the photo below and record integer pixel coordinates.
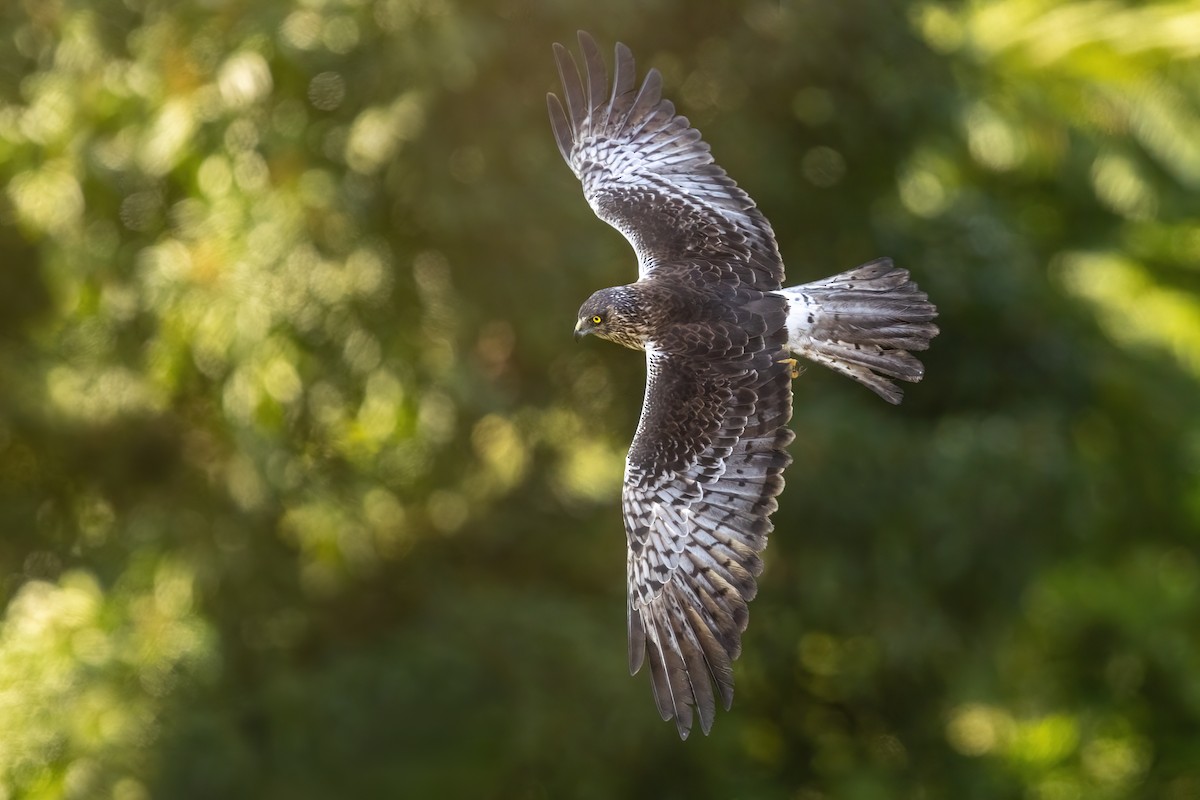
(560, 125)
(637, 640)
(597, 75)
(568, 74)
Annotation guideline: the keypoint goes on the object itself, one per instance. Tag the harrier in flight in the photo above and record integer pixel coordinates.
(720, 335)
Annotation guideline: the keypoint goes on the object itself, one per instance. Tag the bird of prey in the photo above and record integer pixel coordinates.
(720, 335)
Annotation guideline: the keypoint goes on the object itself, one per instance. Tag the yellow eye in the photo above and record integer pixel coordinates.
(596, 320)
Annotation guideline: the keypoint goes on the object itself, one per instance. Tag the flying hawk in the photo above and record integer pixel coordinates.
(719, 333)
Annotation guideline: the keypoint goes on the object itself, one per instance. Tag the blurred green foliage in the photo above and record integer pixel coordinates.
(306, 492)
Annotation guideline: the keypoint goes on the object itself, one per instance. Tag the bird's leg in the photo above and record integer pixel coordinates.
(795, 366)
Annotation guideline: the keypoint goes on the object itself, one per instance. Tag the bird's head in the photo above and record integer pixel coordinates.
(612, 314)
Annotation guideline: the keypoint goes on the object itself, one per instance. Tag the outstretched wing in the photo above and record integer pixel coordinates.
(646, 172)
(700, 484)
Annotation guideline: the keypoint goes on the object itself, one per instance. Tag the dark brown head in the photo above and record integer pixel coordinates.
(613, 314)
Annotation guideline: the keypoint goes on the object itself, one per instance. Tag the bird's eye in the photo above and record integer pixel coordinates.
(596, 320)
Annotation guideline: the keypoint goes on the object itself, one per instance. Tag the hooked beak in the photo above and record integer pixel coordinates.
(579, 331)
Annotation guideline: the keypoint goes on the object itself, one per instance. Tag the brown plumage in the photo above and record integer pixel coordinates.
(718, 329)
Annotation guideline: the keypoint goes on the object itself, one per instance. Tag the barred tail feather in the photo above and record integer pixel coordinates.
(863, 323)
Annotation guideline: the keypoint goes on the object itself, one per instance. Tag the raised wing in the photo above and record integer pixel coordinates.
(646, 172)
(701, 480)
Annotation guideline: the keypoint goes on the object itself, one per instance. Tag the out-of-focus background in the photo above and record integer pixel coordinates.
(306, 492)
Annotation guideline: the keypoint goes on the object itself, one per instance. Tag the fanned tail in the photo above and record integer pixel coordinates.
(863, 323)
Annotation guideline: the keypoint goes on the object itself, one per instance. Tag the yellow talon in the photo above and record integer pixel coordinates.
(794, 364)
